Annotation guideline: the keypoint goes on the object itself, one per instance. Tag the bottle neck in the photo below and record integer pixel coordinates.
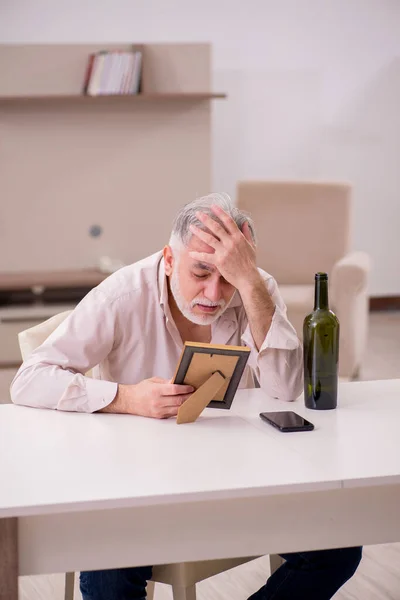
(321, 294)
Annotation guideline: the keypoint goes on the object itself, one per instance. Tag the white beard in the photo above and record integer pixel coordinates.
(186, 307)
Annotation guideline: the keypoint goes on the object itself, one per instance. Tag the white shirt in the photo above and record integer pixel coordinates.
(124, 331)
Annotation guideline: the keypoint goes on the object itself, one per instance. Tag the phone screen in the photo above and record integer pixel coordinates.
(287, 421)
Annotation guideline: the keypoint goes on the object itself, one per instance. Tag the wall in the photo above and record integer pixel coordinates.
(314, 90)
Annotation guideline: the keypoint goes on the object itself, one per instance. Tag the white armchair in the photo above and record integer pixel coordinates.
(303, 228)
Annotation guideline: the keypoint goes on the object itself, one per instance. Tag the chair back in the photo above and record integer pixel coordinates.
(302, 227)
(32, 338)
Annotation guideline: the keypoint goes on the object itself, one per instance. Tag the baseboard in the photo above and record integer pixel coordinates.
(384, 303)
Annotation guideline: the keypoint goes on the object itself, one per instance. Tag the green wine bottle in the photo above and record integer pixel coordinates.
(321, 350)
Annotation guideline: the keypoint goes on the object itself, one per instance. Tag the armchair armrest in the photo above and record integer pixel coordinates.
(349, 282)
(351, 273)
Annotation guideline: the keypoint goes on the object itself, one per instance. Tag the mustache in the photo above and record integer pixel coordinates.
(206, 302)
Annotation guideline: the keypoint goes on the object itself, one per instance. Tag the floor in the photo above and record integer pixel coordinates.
(378, 577)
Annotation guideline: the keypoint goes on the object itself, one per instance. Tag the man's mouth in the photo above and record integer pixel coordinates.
(207, 309)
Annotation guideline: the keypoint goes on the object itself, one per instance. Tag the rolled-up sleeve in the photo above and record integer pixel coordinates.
(278, 364)
(53, 375)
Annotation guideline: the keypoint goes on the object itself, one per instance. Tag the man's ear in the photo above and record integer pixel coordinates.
(168, 260)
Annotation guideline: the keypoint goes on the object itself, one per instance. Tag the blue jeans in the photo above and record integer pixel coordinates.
(312, 575)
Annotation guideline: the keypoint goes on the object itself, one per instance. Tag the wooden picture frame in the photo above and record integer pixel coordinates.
(198, 362)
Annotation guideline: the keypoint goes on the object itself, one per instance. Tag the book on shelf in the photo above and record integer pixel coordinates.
(113, 73)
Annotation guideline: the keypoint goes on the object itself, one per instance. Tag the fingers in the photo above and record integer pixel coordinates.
(175, 389)
(208, 238)
(204, 257)
(228, 222)
(216, 228)
(176, 400)
(163, 411)
(167, 412)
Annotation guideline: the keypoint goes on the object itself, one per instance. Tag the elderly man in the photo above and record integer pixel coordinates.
(204, 287)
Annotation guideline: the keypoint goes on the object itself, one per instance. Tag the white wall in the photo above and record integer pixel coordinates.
(314, 90)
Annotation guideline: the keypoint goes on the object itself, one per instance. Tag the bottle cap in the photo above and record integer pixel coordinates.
(321, 276)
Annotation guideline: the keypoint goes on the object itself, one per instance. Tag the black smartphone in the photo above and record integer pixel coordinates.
(287, 421)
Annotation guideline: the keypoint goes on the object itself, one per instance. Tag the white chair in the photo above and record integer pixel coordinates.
(181, 576)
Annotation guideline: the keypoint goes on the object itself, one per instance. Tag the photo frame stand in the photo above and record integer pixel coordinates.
(198, 401)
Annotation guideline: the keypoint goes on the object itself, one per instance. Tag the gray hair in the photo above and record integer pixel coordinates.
(181, 234)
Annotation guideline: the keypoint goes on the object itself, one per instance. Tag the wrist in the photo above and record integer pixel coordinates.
(254, 292)
(251, 282)
(120, 402)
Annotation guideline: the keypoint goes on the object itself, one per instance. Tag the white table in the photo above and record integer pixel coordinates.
(105, 491)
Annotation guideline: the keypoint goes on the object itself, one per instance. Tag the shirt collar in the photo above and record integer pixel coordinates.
(162, 284)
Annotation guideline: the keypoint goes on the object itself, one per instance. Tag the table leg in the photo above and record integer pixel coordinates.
(9, 559)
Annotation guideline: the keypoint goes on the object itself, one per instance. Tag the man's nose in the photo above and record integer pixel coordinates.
(213, 291)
